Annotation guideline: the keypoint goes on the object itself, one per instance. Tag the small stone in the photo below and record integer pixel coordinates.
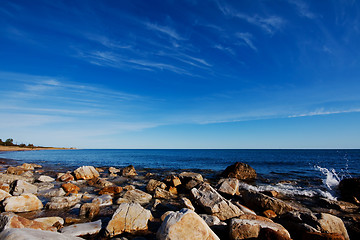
(89, 210)
(44, 178)
(64, 202)
(228, 186)
(27, 166)
(24, 203)
(172, 181)
(70, 188)
(137, 196)
(67, 177)
(186, 203)
(113, 170)
(11, 220)
(103, 200)
(82, 229)
(270, 214)
(163, 194)
(50, 220)
(113, 190)
(153, 184)
(86, 172)
(128, 171)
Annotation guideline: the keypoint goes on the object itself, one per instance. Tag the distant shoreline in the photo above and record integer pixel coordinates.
(16, 148)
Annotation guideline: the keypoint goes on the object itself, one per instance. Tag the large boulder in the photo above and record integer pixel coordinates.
(11, 220)
(350, 189)
(261, 202)
(213, 203)
(130, 218)
(331, 224)
(24, 203)
(185, 224)
(33, 234)
(82, 229)
(250, 228)
(19, 187)
(240, 171)
(86, 172)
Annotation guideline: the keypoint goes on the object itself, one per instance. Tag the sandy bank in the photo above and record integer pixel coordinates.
(16, 148)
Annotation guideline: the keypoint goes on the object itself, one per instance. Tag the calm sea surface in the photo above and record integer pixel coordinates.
(308, 167)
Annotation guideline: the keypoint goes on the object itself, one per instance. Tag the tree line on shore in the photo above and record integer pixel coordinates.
(10, 142)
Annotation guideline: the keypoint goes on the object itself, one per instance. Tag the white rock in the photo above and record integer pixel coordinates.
(44, 178)
(64, 202)
(86, 172)
(24, 203)
(33, 234)
(50, 220)
(19, 187)
(103, 200)
(82, 229)
(4, 195)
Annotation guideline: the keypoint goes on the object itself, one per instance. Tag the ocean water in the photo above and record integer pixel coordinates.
(301, 172)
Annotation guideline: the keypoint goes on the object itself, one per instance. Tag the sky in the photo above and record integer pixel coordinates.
(180, 74)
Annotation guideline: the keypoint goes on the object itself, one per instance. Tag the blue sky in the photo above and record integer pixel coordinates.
(181, 74)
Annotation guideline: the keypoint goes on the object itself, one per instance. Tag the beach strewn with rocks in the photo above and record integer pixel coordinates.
(94, 202)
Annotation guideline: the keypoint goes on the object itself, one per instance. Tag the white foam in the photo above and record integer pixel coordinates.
(331, 180)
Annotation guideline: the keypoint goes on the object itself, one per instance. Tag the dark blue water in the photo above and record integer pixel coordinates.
(267, 163)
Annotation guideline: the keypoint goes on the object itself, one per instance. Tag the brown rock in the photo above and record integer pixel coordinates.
(172, 180)
(322, 236)
(86, 172)
(19, 187)
(16, 170)
(173, 190)
(332, 224)
(24, 203)
(153, 184)
(270, 214)
(5, 187)
(240, 171)
(228, 186)
(136, 196)
(67, 177)
(50, 220)
(70, 220)
(128, 171)
(89, 210)
(128, 218)
(270, 234)
(350, 189)
(185, 224)
(27, 166)
(9, 178)
(186, 203)
(163, 194)
(187, 176)
(11, 220)
(70, 188)
(99, 182)
(113, 190)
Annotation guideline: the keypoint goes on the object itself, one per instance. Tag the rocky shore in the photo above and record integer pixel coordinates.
(92, 202)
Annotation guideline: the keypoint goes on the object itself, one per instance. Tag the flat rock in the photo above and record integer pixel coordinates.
(89, 210)
(64, 202)
(187, 176)
(19, 187)
(55, 192)
(103, 200)
(9, 178)
(153, 184)
(240, 171)
(137, 196)
(50, 220)
(44, 178)
(33, 234)
(4, 195)
(129, 217)
(24, 203)
(11, 220)
(213, 203)
(185, 224)
(70, 188)
(82, 229)
(163, 194)
(228, 186)
(112, 190)
(86, 172)
(99, 182)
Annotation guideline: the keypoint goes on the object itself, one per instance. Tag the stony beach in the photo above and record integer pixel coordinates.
(94, 202)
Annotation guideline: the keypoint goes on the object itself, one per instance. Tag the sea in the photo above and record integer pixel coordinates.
(294, 172)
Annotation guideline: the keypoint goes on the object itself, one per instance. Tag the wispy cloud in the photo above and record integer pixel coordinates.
(170, 32)
(247, 38)
(324, 112)
(225, 49)
(302, 8)
(107, 42)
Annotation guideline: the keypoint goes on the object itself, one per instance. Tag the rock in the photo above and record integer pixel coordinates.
(210, 220)
(255, 217)
(350, 189)
(5, 187)
(27, 166)
(163, 194)
(9, 178)
(64, 202)
(70, 188)
(4, 195)
(172, 181)
(248, 228)
(338, 205)
(162, 218)
(56, 192)
(270, 214)
(173, 190)
(44, 178)
(262, 202)
(130, 218)
(240, 171)
(213, 203)
(16, 170)
(82, 229)
(129, 187)
(67, 177)
(128, 171)
(186, 203)
(244, 209)
(113, 170)
(70, 220)
(185, 224)
(113, 190)
(19, 187)
(332, 224)
(103, 200)
(270, 234)
(24, 203)
(11, 220)
(50, 220)
(187, 176)
(86, 172)
(44, 186)
(137, 196)
(228, 186)
(33, 234)
(99, 182)
(89, 210)
(153, 184)
(322, 236)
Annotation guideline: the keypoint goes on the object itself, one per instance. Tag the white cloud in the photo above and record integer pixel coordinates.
(164, 30)
(247, 38)
(324, 112)
(302, 8)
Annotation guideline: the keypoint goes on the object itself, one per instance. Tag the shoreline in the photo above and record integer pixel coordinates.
(16, 148)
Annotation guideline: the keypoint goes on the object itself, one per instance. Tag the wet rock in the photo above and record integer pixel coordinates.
(153, 184)
(213, 203)
(186, 203)
(4, 195)
(103, 200)
(24, 203)
(322, 236)
(129, 217)
(262, 202)
(56, 192)
(185, 224)
(113, 190)
(33, 234)
(19, 187)
(128, 171)
(86, 172)
(240, 171)
(99, 182)
(44, 178)
(50, 220)
(228, 186)
(89, 210)
(350, 189)
(136, 196)
(9, 178)
(163, 194)
(64, 202)
(11, 220)
(66, 177)
(70, 188)
(248, 228)
(82, 229)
